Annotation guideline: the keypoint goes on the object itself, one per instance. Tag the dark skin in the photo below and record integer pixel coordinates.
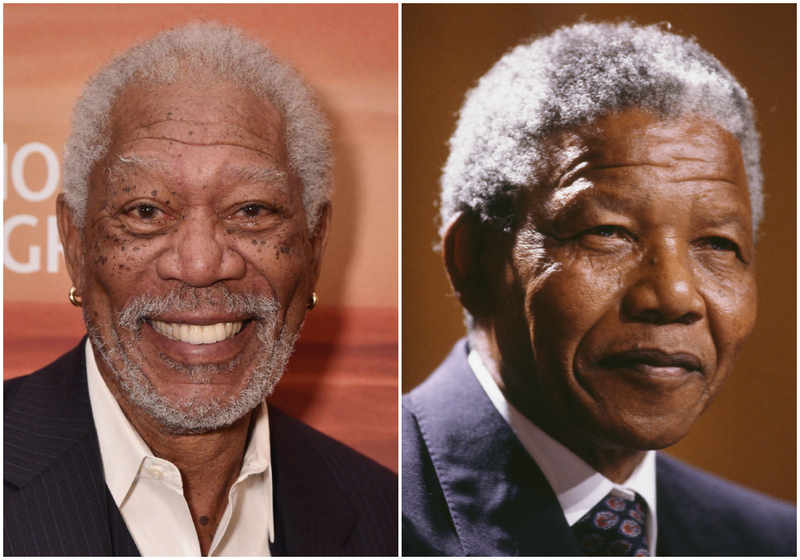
(613, 312)
(211, 199)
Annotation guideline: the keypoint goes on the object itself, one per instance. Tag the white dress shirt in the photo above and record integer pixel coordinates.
(149, 490)
(577, 486)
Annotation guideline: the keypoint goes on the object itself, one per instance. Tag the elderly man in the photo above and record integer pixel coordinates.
(599, 209)
(195, 213)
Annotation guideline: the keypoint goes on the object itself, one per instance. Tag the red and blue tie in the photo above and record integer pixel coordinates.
(614, 527)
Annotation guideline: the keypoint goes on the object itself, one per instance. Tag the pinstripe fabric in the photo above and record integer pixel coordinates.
(329, 500)
(55, 499)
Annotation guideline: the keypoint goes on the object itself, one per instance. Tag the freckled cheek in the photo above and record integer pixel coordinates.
(117, 264)
(283, 265)
(267, 249)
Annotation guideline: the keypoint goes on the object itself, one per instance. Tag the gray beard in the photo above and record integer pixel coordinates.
(193, 414)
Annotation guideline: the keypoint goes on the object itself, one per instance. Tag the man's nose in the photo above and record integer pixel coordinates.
(664, 288)
(201, 254)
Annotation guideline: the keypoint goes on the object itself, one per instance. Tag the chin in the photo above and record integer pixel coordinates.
(198, 406)
(641, 433)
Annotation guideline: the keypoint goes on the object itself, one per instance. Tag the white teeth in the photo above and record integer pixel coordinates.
(197, 334)
(210, 334)
(219, 331)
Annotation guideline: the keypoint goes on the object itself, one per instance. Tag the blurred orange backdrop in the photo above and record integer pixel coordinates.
(343, 378)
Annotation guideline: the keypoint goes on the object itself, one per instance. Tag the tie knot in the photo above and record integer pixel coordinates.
(614, 527)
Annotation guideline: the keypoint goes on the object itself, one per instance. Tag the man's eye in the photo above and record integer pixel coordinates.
(606, 231)
(145, 212)
(254, 211)
(145, 218)
(722, 244)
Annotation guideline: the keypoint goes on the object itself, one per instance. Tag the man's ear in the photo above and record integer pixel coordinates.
(72, 241)
(319, 240)
(464, 250)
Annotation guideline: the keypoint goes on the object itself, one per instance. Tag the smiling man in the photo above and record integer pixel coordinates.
(599, 209)
(194, 218)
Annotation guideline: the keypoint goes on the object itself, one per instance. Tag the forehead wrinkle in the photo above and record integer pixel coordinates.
(706, 179)
(216, 132)
(251, 147)
(193, 121)
(701, 173)
(583, 162)
(572, 182)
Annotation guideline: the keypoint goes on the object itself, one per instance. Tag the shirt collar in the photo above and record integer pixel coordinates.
(577, 485)
(119, 439)
(258, 459)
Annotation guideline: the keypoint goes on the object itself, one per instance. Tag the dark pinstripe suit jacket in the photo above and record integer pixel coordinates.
(329, 500)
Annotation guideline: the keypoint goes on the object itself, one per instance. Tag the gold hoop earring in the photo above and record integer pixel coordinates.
(313, 303)
(72, 299)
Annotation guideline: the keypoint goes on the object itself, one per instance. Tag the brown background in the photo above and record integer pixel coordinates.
(343, 377)
(749, 435)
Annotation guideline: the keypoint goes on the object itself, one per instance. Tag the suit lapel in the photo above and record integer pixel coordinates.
(313, 515)
(500, 502)
(49, 415)
(57, 503)
(683, 530)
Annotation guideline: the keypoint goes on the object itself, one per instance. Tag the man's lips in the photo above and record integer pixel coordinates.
(653, 362)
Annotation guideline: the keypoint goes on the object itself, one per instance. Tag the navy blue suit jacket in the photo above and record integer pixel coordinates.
(329, 500)
(470, 488)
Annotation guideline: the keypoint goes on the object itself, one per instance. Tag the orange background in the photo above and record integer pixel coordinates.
(750, 433)
(343, 377)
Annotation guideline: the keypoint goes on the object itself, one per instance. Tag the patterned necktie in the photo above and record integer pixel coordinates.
(614, 527)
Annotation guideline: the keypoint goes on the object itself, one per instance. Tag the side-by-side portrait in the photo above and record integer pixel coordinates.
(400, 279)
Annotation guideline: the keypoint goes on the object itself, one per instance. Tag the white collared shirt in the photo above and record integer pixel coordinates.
(149, 491)
(578, 486)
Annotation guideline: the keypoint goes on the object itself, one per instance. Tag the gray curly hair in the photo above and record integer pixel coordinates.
(204, 49)
(567, 79)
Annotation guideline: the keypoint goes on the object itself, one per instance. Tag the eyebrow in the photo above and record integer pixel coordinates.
(609, 201)
(605, 200)
(257, 174)
(578, 193)
(124, 163)
(728, 219)
(249, 174)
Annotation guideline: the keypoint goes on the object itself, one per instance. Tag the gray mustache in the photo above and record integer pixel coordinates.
(186, 298)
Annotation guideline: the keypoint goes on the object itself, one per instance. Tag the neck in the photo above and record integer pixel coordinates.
(614, 462)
